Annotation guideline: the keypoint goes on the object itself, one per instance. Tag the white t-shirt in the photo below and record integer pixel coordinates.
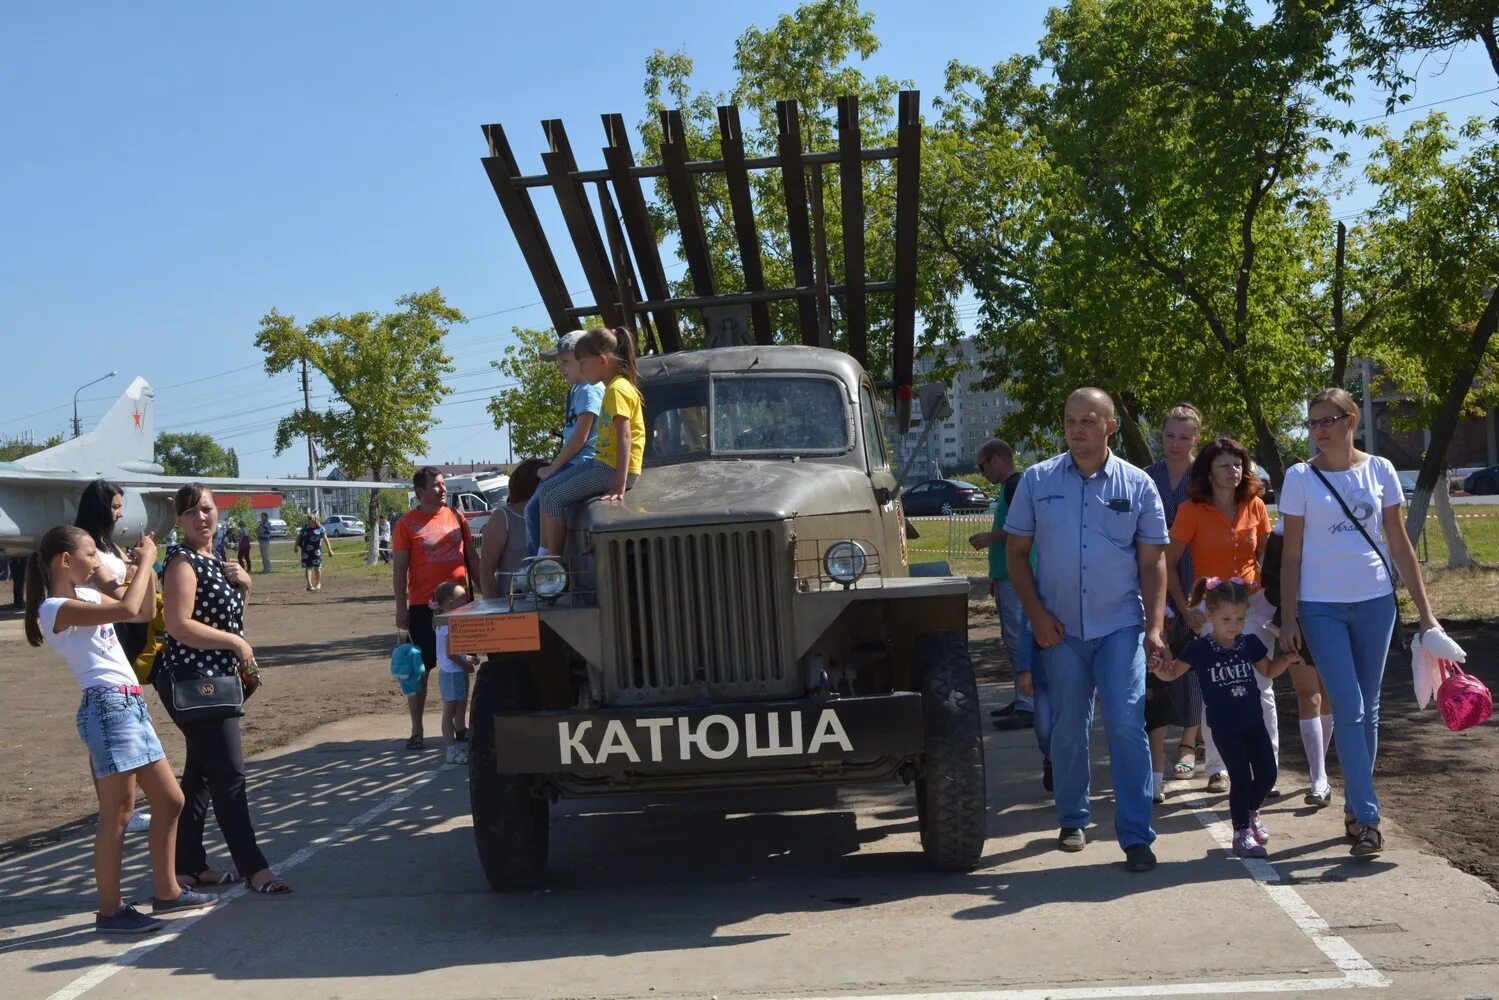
(445, 661)
(1337, 564)
(93, 652)
(114, 566)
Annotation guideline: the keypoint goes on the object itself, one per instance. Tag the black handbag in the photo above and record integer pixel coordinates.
(206, 699)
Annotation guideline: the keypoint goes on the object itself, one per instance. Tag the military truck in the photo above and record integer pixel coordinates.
(747, 617)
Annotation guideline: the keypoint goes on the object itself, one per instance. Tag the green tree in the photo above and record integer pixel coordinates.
(1150, 219)
(385, 370)
(393, 502)
(534, 403)
(292, 515)
(16, 447)
(242, 513)
(232, 461)
(191, 454)
(1384, 35)
(1434, 222)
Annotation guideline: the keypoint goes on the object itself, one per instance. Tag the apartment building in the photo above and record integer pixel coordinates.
(952, 444)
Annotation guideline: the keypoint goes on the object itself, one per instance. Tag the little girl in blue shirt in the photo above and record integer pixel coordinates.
(1225, 662)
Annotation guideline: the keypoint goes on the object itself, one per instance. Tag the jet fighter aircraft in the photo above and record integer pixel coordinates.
(41, 490)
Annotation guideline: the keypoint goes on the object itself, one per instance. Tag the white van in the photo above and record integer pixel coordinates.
(476, 496)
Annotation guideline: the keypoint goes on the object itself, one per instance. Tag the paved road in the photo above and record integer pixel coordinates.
(804, 894)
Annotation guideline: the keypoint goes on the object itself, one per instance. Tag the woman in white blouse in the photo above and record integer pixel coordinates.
(1345, 542)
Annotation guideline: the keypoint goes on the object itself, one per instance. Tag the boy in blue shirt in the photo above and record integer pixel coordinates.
(579, 435)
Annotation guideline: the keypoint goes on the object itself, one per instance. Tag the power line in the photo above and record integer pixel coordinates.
(1418, 107)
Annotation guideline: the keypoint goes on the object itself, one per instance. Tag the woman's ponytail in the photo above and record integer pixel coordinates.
(59, 540)
(36, 593)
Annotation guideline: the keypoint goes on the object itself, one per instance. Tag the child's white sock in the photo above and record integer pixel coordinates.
(1326, 735)
(1316, 751)
(542, 550)
(1157, 784)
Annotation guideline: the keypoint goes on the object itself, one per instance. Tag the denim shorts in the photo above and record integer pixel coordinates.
(453, 685)
(116, 728)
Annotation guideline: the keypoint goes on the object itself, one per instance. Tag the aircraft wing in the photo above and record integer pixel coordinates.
(170, 483)
(11, 475)
(145, 481)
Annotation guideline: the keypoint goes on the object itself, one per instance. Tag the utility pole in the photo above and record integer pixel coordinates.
(1366, 376)
(312, 496)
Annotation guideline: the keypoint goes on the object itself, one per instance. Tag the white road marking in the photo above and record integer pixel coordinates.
(180, 925)
(1357, 972)
(1349, 961)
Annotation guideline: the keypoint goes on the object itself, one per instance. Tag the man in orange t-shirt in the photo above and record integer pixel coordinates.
(430, 545)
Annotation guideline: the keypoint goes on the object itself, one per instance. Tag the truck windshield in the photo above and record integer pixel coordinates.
(745, 415)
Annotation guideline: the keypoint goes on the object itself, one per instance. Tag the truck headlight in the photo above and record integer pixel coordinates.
(845, 561)
(547, 577)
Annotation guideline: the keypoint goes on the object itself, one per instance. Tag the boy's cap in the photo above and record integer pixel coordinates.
(565, 345)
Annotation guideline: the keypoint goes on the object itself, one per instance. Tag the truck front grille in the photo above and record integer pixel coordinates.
(707, 606)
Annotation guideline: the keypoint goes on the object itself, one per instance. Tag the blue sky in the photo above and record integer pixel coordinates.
(175, 170)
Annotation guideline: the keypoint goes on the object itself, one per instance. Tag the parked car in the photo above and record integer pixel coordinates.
(943, 496)
(278, 527)
(343, 526)
(1483, 481)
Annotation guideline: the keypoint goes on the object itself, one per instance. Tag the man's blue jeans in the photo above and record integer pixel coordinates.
(1042, 699)
(1114, 667)
(1349, 643)
(1015, 627)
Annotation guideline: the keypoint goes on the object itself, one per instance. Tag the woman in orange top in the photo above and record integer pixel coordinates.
(1226, 528)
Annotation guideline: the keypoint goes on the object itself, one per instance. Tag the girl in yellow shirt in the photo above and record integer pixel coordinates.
(606, 356)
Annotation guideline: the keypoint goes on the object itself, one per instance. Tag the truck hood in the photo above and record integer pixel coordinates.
(725, 491)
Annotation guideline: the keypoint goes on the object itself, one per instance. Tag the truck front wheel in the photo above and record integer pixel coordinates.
(950, 804)
(511, 821)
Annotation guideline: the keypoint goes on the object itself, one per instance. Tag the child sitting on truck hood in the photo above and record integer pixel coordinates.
(579, 435)
(606, 356)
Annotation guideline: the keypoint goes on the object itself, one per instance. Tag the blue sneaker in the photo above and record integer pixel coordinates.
(188, 900)
(126, 920)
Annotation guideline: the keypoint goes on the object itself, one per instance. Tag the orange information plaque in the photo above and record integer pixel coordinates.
(519, 632)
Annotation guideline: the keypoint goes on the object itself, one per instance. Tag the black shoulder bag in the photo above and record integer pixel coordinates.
(1396, 640)
(1389, 571)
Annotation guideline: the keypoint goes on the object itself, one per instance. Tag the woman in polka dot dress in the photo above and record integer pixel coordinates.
(204, 604)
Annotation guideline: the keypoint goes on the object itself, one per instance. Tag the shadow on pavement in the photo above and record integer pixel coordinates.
(403, 893)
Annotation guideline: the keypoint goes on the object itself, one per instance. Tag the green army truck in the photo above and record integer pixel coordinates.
(747, 617)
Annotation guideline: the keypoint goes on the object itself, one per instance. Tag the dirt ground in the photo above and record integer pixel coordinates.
(325, 656)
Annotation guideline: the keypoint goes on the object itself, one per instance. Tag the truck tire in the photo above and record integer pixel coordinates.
(950, 806)
(511, 817)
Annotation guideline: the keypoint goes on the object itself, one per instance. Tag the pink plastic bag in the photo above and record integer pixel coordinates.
(1462, 699)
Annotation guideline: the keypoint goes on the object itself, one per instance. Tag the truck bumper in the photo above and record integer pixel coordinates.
(740, 737)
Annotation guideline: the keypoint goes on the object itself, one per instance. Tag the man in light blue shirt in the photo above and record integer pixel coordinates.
(1095, 602)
